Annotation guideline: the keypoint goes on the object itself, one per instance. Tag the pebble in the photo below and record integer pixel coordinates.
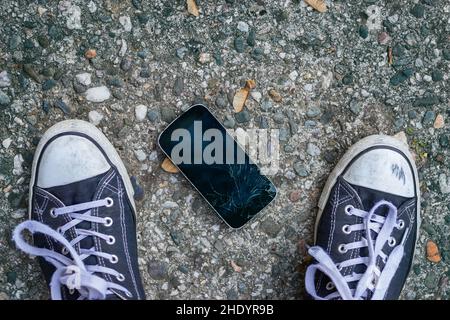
(73, 15)
(242, 117)
(256, 95)
(355, 106)
(4, 99)
(257, 54)
(140, 112)
(98, 94)
(6, 143)
(239, 44)
(401, 76)
(168, 115)
(181, 52)
(79, 88)
(5, 81)
(347, 79)
(263, 123)
(126, 64)
(140, 155)
(157, 270)
(178, 86)
(17, 165)
(138, 190)
(418, 11)
(266, 105)
(90, 54)
(293, 75)
(270, 227)
(426, 101)
(204, 58)
(275, 95)
(294, 196)
(60, 104)
(439, 122)
(31, 72)
(243, 26)
(363, 31)
(278, 117)
(84, 78)
(300, 169)
(446, 54)
(431, 280)
(95, 117)
(436, 75)
(153, 115)
(313, 112)
(427, 78)
(418, 63)
(229, 122)
(444, 141)
(48, 84)
(45, 106)
(221, 102)
(384, 38)
(312, 149)
(251, 39)
(443, 182)
(125, 21)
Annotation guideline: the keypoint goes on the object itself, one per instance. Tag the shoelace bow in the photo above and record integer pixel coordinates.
(373, 279)
(73, 273)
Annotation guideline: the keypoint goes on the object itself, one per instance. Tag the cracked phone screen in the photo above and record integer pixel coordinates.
(232, 184)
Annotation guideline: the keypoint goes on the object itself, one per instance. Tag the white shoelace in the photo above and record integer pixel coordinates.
(373, 279)
(73, 273)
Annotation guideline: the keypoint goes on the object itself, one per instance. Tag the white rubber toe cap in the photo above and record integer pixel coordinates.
(68, 159)
(384, 170)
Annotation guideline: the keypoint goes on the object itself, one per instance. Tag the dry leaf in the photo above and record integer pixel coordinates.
(439, 122)
(168, 166)
(90, 54)
(433, 252)
(250, 84)
(390, 56)
(275, 95)
(319, 5)
(192, 8)
(239, 99)
(235, 267)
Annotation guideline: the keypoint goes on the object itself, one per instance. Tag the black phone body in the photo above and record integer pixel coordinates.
(216, 165)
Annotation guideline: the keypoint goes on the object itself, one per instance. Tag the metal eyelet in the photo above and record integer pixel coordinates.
(392, 242)
(400, 224)
(339, 267)
(120, 277)
(64, 251)
(59, 230)
(114, 259)
(71, 291)
(346, 229)
(111, 240)
(342, 248)
(108, 222)
(109, 202)
(330, 286)
(129, 294)
(374, 281)
(53, 213)
(348, 208)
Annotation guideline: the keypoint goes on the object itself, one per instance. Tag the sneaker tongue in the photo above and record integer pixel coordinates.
(79, 192)
(369, 197)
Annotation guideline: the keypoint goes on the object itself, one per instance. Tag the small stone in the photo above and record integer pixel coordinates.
(79, 88)
(204, 58)
(221, 102)
(60, 104)
(98, 94)
(140, 155)
(251, 39)
(275, 95)
(153, 115)
(17, 165)
(446, 54)
(312, 149)
(45, 106)
(278, 117)
(263, 123)
(294, 196)
(431, 281)
(436, 75)
(428, 118)
(384, 38)
(138, 190)
(31, 72)
(14, 42)
(242, 26)
(178, 86)
(95, 117)
(6, 143)
(301, 169)
(355, 106)
(4, 99)
(181, 52)
(229, 122)
(257, 54)
(125, 21)
(90, 54)
(140, 112)
(5, 81)
(363, 31)
(11, 277)
(293, 75)
(427, 78)
(73, 15)
(418, 11)
(347, 79)
(256, 95)
(433, 254)
(426, 101)
(242, 117)
(266, 105)
(270, 227)
(157, 270)
(444, 184)
(126, 64)
(439, 122)
(84, 78)
(401, 76)
(313, 112)
(48, 84)
(444, 141)
(239, 44)
(418, 63)
(168, 115)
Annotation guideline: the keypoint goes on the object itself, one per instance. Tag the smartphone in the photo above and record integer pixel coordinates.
(217, 166)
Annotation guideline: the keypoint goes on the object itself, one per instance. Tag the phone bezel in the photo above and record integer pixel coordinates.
(259, 213)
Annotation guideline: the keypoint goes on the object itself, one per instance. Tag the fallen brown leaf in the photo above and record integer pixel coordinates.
(168, 166)
(390, 56)
(90, 54)
(235, 267)
(319, 5)
(439, 122)
(250, 84)
(192, 7)
(239, 99)
(433, 252)
(275, 95)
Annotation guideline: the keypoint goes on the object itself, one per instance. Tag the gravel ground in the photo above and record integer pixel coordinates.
(341, 75)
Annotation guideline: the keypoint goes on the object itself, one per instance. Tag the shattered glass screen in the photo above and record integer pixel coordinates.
(235, 188)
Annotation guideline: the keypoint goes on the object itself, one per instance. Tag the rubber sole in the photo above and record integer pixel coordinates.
(90, 130)
(352, 152)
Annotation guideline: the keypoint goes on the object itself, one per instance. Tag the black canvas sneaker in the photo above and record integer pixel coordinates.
(367, 224)
(82, 216)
